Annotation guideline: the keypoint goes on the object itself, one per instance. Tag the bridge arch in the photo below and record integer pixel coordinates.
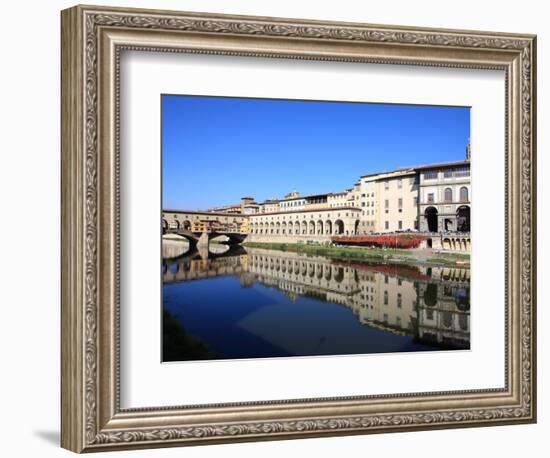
(328, 227)
(304, 227)
(312, 227)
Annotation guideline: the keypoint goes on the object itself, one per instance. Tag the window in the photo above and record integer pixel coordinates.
(430, 197)
(386, 279)
(400, 224)
(399, 300)
(448, 173)
(386, 185)
(448, 195)
(464, 194)
(400, 204)
(387, 225)
(362, 204)
(462, 172)
(399, 184)
(431, 175)
(415, 201)
(385, 298)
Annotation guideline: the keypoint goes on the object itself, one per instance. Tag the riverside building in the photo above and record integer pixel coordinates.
(432, 199)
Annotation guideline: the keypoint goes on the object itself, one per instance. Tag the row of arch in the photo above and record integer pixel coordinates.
(319, 227)
(456, 244)
(304, 268)
(453, 274)
(448, 320)
(460, 223)
(175, 224)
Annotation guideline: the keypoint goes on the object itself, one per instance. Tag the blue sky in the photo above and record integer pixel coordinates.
(216, 149)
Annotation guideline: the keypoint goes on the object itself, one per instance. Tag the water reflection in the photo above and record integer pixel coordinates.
(263, 303)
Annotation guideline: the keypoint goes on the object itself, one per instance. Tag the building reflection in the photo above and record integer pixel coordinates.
(431, 304)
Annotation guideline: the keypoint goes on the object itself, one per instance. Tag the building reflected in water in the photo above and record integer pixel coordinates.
(429, 304)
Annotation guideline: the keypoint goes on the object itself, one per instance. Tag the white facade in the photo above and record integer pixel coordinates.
(444, 198)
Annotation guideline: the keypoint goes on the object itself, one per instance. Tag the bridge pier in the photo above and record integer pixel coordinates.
(203, 252)
(203, 240)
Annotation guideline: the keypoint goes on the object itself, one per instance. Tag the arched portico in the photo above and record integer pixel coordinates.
(432, 219)
(463, 218)
(320, 227)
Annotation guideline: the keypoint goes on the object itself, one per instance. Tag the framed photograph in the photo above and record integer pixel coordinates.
(278, 228)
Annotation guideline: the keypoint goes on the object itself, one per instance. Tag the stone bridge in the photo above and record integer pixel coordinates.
(201, 227)
(202, 239)
(198, 263)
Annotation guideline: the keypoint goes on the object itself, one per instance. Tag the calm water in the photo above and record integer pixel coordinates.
(235, 303)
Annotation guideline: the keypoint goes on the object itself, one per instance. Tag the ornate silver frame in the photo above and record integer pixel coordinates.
(92, 38)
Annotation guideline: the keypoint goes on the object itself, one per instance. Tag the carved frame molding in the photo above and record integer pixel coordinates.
(92, 39)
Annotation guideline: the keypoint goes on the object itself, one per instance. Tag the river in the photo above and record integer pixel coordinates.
(232, 302)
